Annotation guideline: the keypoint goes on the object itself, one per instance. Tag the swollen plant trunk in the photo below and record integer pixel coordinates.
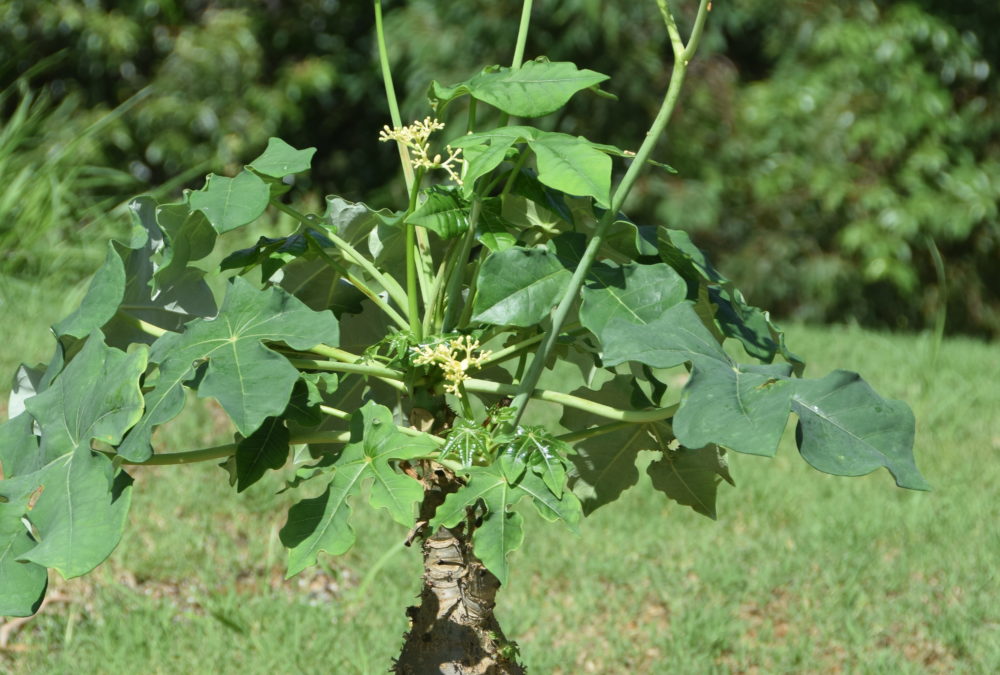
(454, 631)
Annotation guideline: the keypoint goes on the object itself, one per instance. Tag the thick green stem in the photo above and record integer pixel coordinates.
(433, 310)
(394, 290)
(681, 57)
(568, 400)
(352, 368)
(592, 432)
(390, 94)
(412, 291)
(514, 349)
(522, 35)
(457, 272)
(357, 283)
(144, 326)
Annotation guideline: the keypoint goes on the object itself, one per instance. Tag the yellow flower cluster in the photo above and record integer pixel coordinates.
(454, 358)
(414, 137)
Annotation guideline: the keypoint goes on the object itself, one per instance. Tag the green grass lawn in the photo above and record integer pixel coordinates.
(803, 572)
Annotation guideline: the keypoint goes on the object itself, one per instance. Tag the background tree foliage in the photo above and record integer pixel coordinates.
(825, 151)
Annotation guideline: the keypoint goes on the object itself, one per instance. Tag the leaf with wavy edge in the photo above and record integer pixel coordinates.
(537, 88)
(250, 381)
(847, 429)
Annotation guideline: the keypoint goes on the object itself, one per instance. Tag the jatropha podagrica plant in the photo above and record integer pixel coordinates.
(406, 350)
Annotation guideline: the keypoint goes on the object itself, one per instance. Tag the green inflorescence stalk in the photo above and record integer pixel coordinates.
(682, 55)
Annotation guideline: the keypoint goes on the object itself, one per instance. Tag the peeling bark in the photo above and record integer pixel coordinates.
(454, 631)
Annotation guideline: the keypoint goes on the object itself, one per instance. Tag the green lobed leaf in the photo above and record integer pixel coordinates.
(72, 410)
(637, 294)
(544, 454)
(537, 88)
(847, 429)
(322, 523)
(164, 297)
(605, 465)
(734, 317)
(691, 477)
(263, 450)
(250, 381)
(742, 407)
(519, 286)
(467, 440)
(104, 295)
(280, 159)
(73, 498)
(187, 236)
(501, 531)
(229, 203)
(639, 314)
(500, 486)
(22, 584)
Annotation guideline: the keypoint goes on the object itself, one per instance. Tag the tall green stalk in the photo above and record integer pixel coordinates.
(682, 55)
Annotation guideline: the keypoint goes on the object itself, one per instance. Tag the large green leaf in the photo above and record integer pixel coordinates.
(572, 164)
(535, 89)
(691, 477)
(481, 159)
(638, 313)
(72, 497)
(263, 450)
(229, 203)
(103, 297)
(97, 397)
(734, 317)
(444, 213)
(160, 287)
(742, 407)
(22, 584)
(250, 381)
(847, 429)
(519, 286)
(605, 465)
(634, 293)
(187, 236)
(280, 159)
(501, 531)
(569, 164)
(321, 523)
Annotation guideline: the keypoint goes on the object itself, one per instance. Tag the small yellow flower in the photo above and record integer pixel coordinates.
(415, 138)
(455, 358)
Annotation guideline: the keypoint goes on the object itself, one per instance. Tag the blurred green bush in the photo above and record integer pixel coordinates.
(826, 151)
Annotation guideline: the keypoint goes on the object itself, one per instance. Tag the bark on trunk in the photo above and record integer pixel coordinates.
(453, 631)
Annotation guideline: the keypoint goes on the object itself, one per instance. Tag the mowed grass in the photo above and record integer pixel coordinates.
(802, 572)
